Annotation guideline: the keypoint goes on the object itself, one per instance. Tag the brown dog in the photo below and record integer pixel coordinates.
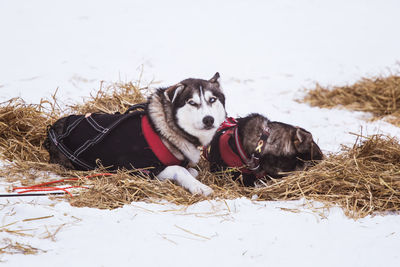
(261, 148)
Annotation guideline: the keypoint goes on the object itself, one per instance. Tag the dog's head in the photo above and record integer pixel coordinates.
(287, 148)
(198, 106)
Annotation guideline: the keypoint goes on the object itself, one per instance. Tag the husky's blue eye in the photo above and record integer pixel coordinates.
(191, 102)
(212, 99)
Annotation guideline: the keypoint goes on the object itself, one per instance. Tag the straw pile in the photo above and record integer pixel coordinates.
(363, 179)
(380, 96)
(117, 97)
(22, 129)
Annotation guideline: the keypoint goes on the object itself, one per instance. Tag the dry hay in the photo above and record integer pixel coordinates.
(22, 129)
(117, 97)
(8, 246)
(13, 247)
(380, 96)
(363, 179)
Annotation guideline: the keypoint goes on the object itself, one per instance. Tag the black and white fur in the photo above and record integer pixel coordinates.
(187, 115)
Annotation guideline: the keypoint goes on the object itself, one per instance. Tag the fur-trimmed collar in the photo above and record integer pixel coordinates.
(161, 117)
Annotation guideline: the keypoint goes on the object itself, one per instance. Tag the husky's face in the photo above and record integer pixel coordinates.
(198, 106)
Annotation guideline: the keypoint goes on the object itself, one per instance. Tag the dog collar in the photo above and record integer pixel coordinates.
(252, 162)
(239, 159)
(157, 146)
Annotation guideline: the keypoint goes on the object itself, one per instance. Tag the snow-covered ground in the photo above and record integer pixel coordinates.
(266, 53)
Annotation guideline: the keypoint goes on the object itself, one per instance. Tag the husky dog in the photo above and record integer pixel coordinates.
(259, 148)
(164, 134)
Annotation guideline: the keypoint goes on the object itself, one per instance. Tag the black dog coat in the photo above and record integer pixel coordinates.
(117, 140)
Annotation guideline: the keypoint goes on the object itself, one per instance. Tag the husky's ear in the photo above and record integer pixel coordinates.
(215, 78)
(171, 92)
(302, 140)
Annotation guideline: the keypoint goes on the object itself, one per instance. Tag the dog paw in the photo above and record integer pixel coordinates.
(201, 189)
(193, 172)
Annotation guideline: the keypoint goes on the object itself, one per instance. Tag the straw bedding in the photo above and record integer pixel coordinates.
(380, 96)
(363, 179)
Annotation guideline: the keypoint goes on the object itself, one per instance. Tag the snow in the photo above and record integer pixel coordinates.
(266, 53)
(215, 233)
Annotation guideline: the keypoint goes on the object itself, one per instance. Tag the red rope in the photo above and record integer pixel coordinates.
(45, 189)
(41, 187)
(47, 183)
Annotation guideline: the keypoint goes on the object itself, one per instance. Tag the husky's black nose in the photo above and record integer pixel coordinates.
(208, 121)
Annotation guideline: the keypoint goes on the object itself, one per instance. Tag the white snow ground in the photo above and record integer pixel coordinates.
(266, 53)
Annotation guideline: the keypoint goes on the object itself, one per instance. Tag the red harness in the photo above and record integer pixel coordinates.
(230, 158)
(240, 159)
(157, 146)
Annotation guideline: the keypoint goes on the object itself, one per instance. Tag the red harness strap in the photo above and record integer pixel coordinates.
(157, 146)
(228, 123)
(227, 154)
(230, 158)
(240, 159)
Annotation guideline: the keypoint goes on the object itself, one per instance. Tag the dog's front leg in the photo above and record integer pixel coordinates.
(184, 178)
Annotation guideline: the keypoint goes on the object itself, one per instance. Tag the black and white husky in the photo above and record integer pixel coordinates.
(163, 134)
